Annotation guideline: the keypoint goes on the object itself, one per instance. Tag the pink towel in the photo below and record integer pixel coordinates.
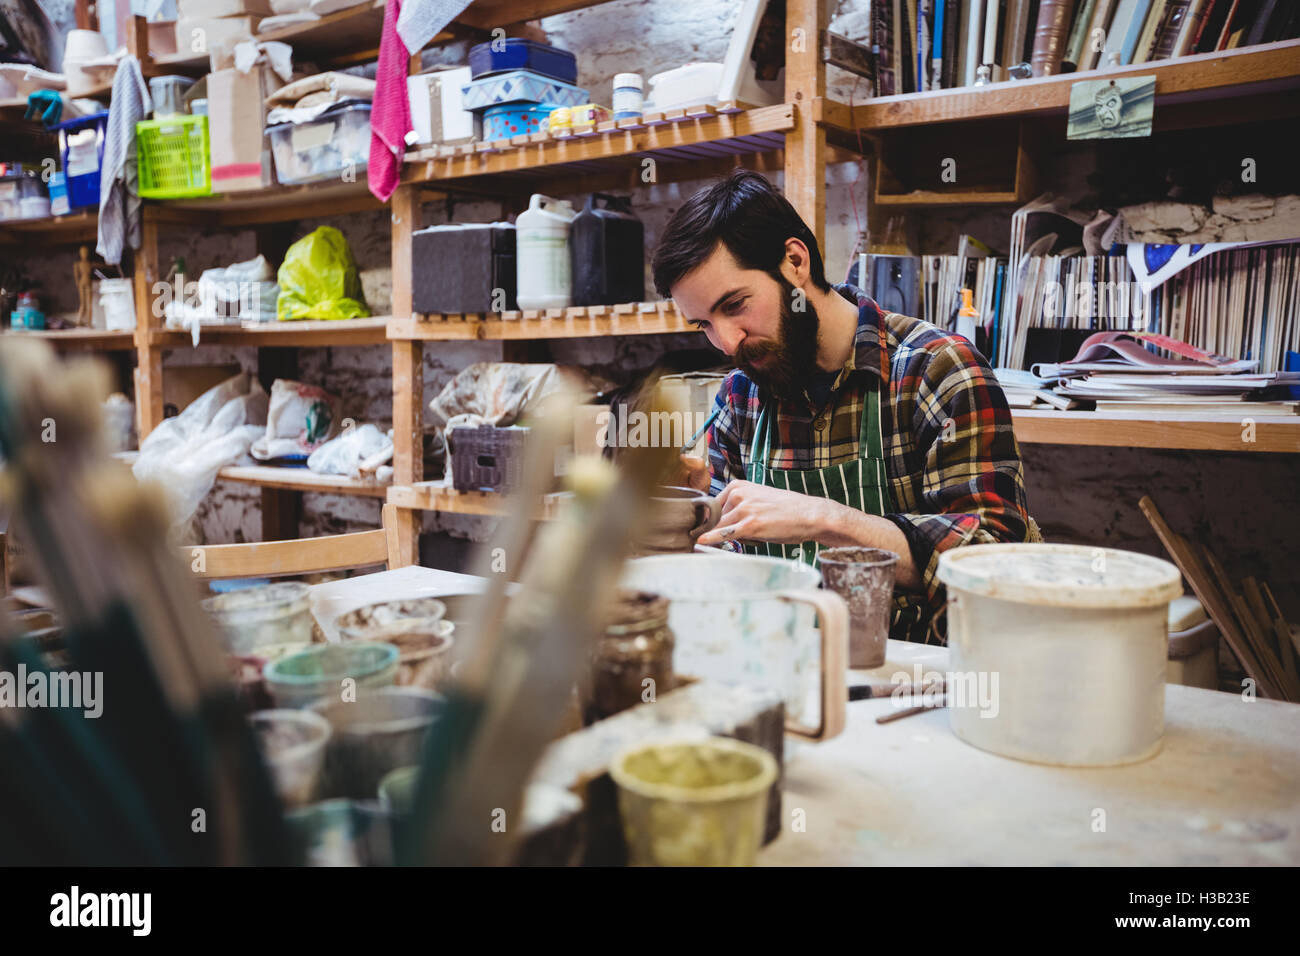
(390, 113)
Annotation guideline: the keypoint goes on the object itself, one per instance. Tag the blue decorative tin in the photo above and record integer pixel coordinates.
(514, 119)
(520, 86)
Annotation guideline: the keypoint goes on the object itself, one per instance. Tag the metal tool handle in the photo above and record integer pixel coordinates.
(833, 620)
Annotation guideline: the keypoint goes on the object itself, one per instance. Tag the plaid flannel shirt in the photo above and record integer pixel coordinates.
(965, 487)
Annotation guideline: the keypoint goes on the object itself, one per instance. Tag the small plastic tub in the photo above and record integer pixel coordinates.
(293, 743)
(378, 732)
(323, 148)
(693, 803)
(301, 679)
(168, 94)
(251, 618)
(343, 833)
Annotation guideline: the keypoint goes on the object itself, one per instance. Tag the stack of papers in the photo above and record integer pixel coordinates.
(1119, 372)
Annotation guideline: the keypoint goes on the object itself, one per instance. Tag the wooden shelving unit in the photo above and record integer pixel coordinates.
(1270, 73)
(797, 137)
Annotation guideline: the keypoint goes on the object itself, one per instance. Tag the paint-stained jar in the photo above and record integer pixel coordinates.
(632, 662)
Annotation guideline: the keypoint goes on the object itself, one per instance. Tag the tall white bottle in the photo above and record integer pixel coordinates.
(545, 280)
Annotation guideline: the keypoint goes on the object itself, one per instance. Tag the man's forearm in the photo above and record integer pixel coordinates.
(839, 526)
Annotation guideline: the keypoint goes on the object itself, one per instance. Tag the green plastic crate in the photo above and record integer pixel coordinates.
(172, 155)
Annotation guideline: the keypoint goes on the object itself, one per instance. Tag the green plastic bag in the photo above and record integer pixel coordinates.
(318, 279)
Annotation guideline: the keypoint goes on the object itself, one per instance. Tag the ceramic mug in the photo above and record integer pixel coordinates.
(678, 516)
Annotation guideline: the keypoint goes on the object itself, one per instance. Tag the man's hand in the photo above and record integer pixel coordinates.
(753, 512)
(689, 473)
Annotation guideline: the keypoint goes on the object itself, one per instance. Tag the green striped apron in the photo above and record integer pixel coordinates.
(861, 484)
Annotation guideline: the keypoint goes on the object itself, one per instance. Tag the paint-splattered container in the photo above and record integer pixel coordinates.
(693, 803)
(251, 618)
(1057, 652)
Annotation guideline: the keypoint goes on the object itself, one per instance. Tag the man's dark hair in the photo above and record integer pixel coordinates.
(747, 215)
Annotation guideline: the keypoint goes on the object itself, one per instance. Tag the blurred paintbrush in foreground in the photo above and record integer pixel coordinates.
(168, 773)
(526, 652)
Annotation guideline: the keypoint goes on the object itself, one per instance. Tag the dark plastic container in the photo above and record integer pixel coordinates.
(455, 269)
(517, 54)
(608, 246)
(81, 149)
(486, 458)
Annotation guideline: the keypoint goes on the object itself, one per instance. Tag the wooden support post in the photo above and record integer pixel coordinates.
(136, 42)
(408, 374)
(281, 507)
(281, 510)
(805, 80)
(86, 14)
(146, 271)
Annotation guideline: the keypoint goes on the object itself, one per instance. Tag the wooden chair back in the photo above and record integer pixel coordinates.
(338, 552)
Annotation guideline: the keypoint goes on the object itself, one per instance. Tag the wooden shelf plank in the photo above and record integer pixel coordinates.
(650, 318)
(79, 226)
(304, 334)
(273, 204)
(440, 496)
(755, 130)
(300, 479)
(80, 340)
(1251, 70)
(1123, 430)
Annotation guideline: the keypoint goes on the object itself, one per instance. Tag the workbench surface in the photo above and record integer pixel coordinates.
(1223, 790)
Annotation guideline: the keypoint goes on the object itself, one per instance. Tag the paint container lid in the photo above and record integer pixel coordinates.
(1061, 575)
(625, 80)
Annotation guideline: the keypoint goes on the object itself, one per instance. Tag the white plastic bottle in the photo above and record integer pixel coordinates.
(542, 249)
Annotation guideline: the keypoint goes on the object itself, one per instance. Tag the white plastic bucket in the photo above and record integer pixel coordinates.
(1057, 652)
(542, 246)
(118, 300)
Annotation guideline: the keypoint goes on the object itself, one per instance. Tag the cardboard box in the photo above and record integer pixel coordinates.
(202, 9)
(199, 35)
(437, 113)
(240, 155)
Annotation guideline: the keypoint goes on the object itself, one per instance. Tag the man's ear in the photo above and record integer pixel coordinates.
(795, 266)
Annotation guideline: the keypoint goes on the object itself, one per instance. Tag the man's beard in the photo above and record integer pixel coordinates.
(789, 362)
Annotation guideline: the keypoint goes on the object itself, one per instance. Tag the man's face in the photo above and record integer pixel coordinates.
(751, 316)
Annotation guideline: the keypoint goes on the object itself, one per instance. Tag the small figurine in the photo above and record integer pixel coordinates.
(82, 271)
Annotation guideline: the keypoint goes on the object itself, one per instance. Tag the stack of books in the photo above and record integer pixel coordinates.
(921, 45)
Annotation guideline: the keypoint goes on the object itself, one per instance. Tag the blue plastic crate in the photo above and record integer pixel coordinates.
(81, 148)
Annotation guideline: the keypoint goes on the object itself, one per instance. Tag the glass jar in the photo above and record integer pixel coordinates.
(632, 661)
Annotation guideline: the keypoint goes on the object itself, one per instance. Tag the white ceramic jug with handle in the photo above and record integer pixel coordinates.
(750, 619)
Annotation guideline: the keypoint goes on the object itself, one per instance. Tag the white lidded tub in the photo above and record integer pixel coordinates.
(1057, 652)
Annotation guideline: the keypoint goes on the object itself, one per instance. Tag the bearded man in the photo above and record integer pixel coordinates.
(842, 425)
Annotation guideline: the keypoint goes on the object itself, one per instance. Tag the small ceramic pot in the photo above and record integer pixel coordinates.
(678, 517)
